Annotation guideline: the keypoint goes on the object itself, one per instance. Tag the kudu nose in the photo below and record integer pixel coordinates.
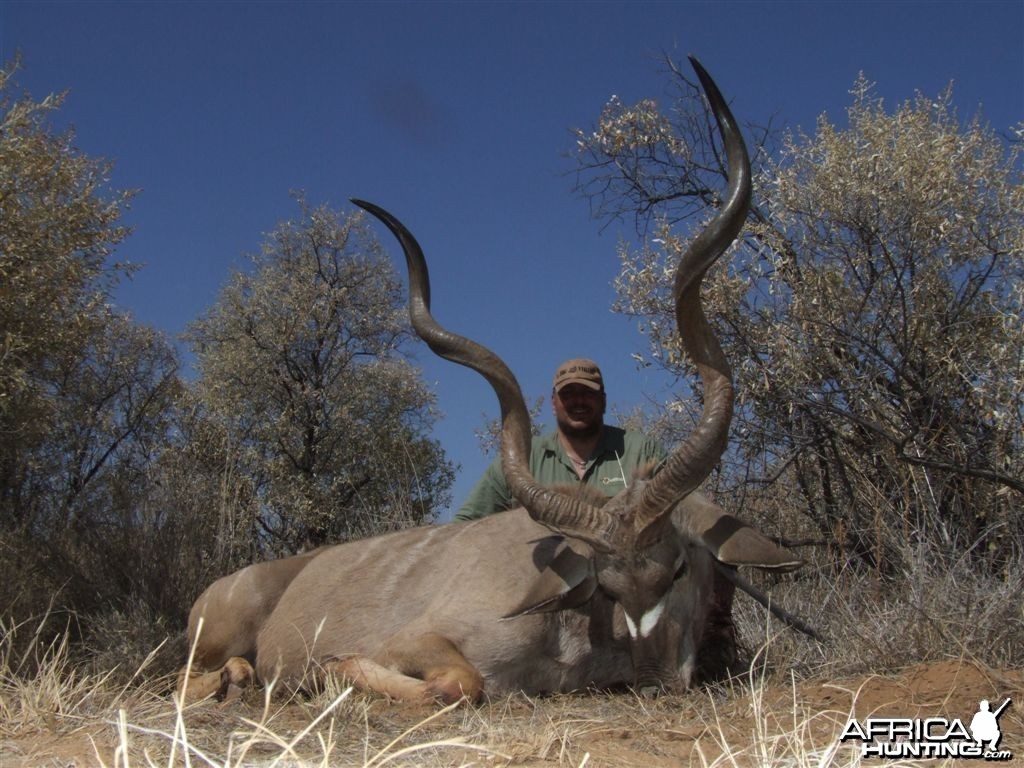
(654, 684)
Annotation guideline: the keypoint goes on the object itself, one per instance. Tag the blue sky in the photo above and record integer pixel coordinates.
(457, 117)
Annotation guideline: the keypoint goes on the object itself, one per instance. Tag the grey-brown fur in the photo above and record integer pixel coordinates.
(226, 618)
(459, 580)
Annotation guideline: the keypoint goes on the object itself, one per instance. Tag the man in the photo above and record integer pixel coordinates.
(582, 449)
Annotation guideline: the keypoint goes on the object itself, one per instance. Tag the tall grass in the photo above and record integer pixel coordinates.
(943, 607)
(50, 706)
(54, 711)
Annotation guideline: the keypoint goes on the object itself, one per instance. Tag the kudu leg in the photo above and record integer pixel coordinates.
(225, 683)
(425, 668)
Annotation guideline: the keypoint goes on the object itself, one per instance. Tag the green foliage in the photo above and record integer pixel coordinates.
(123, 491)
(301, 370)
(873, 312)
(56, 231)
(84, 392)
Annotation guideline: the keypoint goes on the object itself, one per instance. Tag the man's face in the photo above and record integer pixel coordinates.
(579, 410)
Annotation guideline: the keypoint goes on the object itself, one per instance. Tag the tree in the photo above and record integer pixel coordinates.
(85, 392)
(488, 434)
(873, 310)
(301, 368)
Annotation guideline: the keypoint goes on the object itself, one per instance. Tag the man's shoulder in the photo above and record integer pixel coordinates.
(613, 440)
(546, 442)
(617, 436)
(638, 438)
(637, 446)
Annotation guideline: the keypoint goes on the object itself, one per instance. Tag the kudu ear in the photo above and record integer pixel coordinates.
(567, 581)
(731, 540)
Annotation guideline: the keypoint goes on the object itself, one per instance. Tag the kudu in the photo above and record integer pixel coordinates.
(224, 622)
(558, 595)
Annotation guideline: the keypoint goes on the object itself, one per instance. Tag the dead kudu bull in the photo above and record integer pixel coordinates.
(559, 595)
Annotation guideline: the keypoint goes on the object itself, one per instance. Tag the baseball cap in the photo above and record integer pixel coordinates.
(579, 370)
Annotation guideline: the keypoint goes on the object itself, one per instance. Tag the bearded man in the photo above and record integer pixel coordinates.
(582, 450)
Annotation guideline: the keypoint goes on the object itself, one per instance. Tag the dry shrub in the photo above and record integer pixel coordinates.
(872, 312)
(134, 641)
(942, 607)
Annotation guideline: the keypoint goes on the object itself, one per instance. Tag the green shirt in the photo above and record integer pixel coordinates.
(617, 456)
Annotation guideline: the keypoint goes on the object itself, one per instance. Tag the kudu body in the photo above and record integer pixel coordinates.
(226, 618)
(233, 609)
(559, 595)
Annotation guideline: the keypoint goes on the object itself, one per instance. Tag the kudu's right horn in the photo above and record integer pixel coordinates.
(693, 461)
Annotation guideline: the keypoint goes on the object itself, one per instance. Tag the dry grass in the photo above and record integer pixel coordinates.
(939, 639)
(54, 714)
(943, 608)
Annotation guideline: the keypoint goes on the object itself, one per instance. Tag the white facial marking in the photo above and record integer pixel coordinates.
(630, 625)
(650, 619)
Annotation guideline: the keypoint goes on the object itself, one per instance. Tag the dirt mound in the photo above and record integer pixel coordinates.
(774, 724)
(950, 688)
